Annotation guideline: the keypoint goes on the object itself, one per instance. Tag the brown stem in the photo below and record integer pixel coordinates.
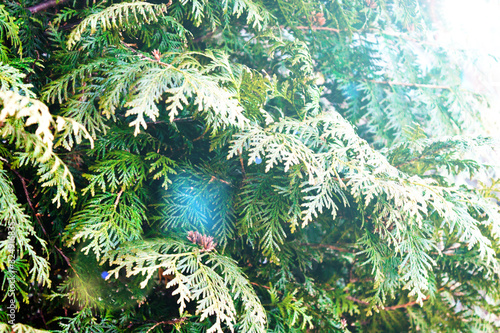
(357, 300)
(242, 166)
(142, 56)
(201, 136)
(67, 261)
(399, 306)
(409, 161)
(37, 217)
(201, 38)
(318, 28)
(118, 197)
(43, 318)
(417, 158)
(326, 246)
(45, 5)
(268, 288)
(168, 322)
(25, 188)
(388, 308)
(373, 31)
(183, 119)
(259, 285)
(220, 180)
(419, 85)
(187, 119)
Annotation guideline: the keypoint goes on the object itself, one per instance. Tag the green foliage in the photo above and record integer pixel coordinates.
(11, 78)
(208, 207)
(107, 220)
(20, 328)
(210, 279)
(120, 15)
(241, 166)
(39, 146)
(292, 310)
(9, 30)
(13, 216)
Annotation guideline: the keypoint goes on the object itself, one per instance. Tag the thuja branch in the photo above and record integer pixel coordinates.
(405, 305)
(28, 199)
(370, 31)
(419, 158)
(260, 285)
(326, 246)
(220, 180)
(399, 306)
(175, 321)
(46, 5)
(37, 217)
(118, 198)
(318, 28)
(187, 119)
(354, 299)
(387, 308)
(417, 85)
(269, 288)
(142, 56)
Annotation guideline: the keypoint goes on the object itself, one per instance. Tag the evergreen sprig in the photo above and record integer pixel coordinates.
(212, 280)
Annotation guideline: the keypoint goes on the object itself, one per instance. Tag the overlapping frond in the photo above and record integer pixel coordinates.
(9, 29)
(108, 220)
(337, 163)
(18, 244)
(116, 16)
(200, 198)
(215, 282)
(12, 79)
(38, 146)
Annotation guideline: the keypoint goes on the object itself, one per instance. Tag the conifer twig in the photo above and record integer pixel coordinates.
(37, 217)
(399, 306)
(187, 119)
(394, 307)
(387, 308)
(201, 38)
(300, 27)
(45, 5)
(417, 158)
(331, 247)
(28, 199)
(220, 180)
(142, 56)
(372, 31)
(418, 85)
(269, 288)
(242, 166)
(118, 197)
(354, 299)
(259, 285)
(167, 322)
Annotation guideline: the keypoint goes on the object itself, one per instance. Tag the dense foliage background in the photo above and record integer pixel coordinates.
(241, 165)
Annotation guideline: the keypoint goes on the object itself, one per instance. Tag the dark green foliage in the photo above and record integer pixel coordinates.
(240, 165)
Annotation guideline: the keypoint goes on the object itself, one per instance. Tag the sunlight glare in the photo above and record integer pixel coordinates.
(473, 24)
